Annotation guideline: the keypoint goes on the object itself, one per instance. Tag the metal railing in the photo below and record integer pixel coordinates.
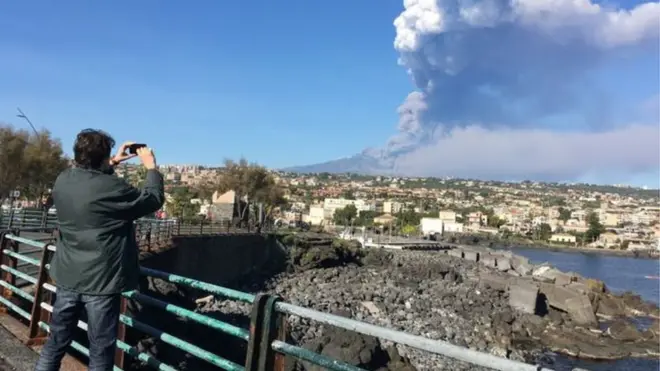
(265, 338)
(151, 234)
(27, 218)
(38, 218)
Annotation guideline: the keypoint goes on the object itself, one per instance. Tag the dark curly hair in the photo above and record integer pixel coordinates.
(92, 148)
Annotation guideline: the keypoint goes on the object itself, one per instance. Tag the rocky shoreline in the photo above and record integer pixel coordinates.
(487, 300)
(639, 254)
(498, 243)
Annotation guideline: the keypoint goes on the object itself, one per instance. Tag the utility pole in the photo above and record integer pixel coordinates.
(390, 231)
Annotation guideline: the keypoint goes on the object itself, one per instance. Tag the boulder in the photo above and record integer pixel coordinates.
(521, 265)
(457, 253)
(583, 344)
(655, 327)
(503, 264)
(471, 255)
(576, 304)
(523, 296)
(610, 306)
(581, 310)
(594, 285)
(637, 306)
(513, 273)
(371, 307)
(624, 330)
(488, 260)
(550, 274)
(359, 350)
(494, 281)
(579, 287)
(506, 254)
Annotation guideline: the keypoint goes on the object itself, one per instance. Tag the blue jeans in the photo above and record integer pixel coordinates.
(102, 321)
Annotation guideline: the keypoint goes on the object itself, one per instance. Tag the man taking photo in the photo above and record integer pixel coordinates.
(97, 255)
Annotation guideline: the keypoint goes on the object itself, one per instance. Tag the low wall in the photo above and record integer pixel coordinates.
(220, 260)
(226, 260)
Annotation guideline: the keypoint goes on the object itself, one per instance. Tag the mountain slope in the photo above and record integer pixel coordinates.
(362, 163)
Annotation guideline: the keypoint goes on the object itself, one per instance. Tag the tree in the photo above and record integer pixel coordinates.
(43, 161)
(556, 201)
(595, 228)
(409, 229)
(348, 194)
(590, 205)
(29, 162)
(408, 217)
(365, 218)
(495, 221)
(252, 183)
(179, 204)
(345, 216)
(271, 197)
(12, 153)
(138, 177)
(543, 232)
(205, 190)
(564, 214)
(625, 244)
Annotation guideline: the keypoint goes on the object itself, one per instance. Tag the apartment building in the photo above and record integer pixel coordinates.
(477, 218)
(609, 219)
(563, 238)
(332, 204)
(392, 207)
(447, 215)
(317, 215)
(580, 215)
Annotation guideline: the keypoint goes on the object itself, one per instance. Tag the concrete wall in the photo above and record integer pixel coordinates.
(225, 260)
(220, 260)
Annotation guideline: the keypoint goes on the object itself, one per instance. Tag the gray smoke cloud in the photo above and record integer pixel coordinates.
(517, 154)
(483, 68)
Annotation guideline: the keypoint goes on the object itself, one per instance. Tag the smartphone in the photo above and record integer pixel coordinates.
(132, 149)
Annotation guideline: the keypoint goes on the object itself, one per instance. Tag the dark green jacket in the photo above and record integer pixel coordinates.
(97, 253)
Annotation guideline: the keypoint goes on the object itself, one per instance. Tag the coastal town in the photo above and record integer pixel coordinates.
(606, 217)
(470, 295)
(610, 217)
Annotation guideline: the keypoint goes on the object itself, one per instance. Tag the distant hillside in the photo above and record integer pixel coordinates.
(360, 164)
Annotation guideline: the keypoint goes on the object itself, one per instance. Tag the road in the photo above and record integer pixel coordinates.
(14, 355)
(5, 367)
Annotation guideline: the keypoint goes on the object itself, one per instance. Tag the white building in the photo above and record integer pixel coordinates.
(452, 227)
(332, 204)
(392, 207)
(447, 215)
(316, 215)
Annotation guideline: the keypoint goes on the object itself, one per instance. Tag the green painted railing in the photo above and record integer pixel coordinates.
(265, 338)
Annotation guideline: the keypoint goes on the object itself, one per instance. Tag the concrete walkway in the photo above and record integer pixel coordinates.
(14, 355)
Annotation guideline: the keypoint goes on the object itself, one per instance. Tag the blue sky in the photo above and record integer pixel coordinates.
(309, 81)
(281, 83)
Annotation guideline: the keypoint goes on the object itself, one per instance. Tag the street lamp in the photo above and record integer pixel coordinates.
(24, 117)
(15, 194)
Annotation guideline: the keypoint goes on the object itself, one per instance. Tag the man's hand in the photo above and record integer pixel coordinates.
(147, 157)
(122, 154)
